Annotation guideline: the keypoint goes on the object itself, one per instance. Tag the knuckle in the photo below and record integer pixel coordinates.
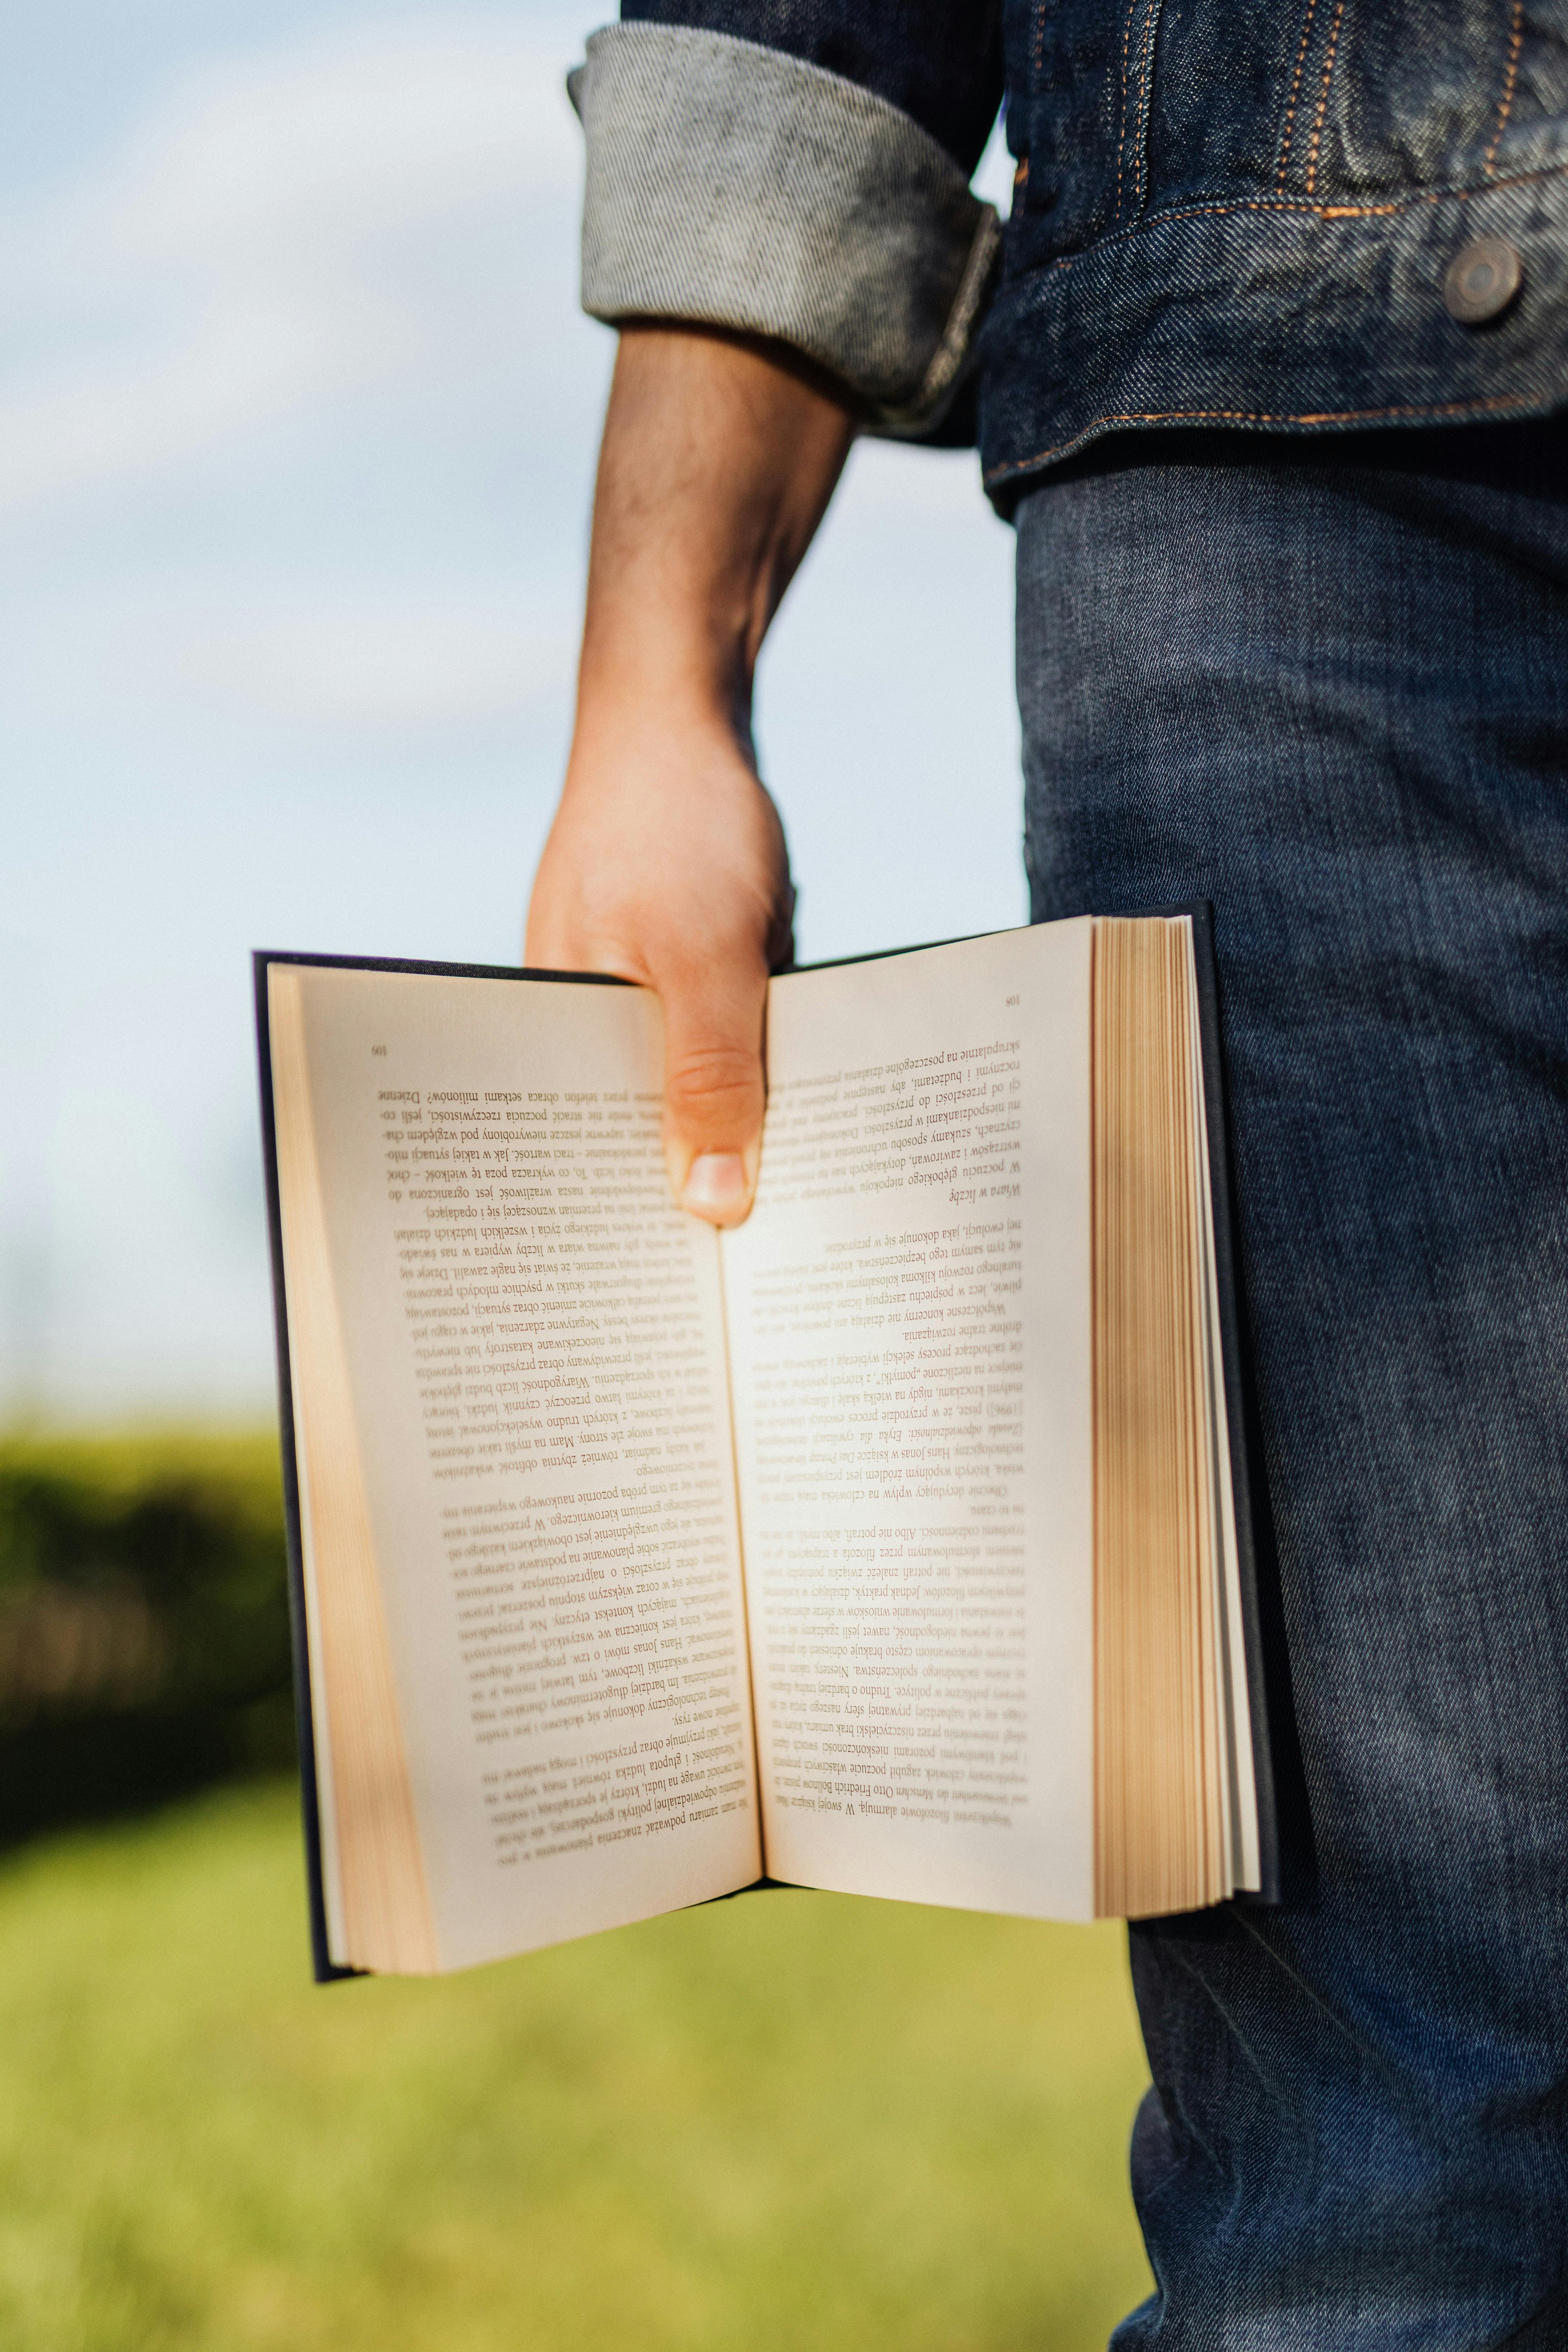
(717, 1077)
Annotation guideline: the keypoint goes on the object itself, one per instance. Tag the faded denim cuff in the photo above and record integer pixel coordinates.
(732, 186)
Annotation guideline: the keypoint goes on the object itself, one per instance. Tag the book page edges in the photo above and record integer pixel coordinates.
(377, 1897)
(1160, 1760)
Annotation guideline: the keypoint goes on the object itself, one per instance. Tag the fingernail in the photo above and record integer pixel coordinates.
(717, 1181)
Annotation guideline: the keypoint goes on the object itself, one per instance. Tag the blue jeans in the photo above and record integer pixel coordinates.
(1326, 687)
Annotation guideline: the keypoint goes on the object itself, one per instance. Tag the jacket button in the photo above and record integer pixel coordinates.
(1482, 280)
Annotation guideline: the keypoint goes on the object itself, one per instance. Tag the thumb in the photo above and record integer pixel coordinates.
(713, 1088)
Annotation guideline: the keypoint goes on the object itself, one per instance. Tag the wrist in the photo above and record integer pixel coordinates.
(673, 691)
(627, 710)
(716, 465)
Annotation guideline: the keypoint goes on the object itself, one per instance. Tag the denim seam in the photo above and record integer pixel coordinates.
(1315, 212)
(1150, 35)
(1323, 99)
(1511, 82)
(1295, 93)
(1499, 403)
(1130, 20)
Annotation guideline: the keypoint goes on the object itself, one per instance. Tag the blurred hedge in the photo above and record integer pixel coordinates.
(144, 1622)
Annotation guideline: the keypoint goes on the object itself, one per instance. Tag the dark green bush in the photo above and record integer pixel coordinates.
(144, 1623)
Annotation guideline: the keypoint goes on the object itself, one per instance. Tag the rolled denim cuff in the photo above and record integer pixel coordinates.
(732, 186)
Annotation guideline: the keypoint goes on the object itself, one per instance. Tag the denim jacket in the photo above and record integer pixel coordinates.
(1300, 215)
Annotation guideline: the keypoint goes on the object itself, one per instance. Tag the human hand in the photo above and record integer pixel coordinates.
(667, 864)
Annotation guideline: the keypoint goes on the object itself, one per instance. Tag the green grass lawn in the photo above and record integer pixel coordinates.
(788, 2121)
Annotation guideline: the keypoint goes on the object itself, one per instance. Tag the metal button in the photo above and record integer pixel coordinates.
(1482, 280)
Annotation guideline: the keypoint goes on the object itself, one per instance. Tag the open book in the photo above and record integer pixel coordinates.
(895, 1543)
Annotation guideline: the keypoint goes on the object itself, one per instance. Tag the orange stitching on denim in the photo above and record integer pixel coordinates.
(1146, 71)
(1311, 212)
(1257, 416)
(1295, 93)
(1510, 85)
(1323, 100)
(1121, 142)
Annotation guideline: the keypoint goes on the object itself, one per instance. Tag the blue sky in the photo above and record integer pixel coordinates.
(297, 417)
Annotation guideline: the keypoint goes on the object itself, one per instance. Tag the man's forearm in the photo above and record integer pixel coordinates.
(667, 862)
(717, 463)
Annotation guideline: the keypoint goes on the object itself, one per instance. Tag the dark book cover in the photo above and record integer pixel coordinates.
(1245, 1470)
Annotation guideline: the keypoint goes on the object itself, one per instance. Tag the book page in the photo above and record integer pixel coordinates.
(909, 1311)
(534, 1343)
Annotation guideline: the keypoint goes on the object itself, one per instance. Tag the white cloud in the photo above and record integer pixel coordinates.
(242, 231)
